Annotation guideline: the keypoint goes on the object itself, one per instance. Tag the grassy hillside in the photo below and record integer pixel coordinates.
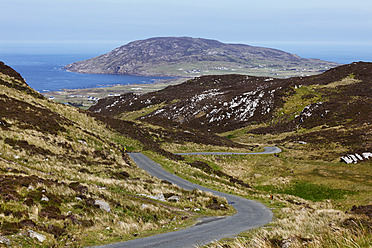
(66, 177)
(318, 201)
(331, 107)
(58, 163)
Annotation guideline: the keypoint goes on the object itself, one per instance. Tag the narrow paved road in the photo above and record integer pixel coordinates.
(268, 150)
(250, 214)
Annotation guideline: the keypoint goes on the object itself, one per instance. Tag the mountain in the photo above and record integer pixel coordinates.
(66, 179)
(340, 97)
(186, 57)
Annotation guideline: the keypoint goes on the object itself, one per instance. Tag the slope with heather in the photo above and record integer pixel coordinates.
(66, 179)
(318, 201)
(337, 101)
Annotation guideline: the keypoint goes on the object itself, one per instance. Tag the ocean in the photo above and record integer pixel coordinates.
(339, 53)
(44, 72)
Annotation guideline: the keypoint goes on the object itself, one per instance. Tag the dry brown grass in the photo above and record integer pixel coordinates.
(346, 81)
(298, 222)
(86, 151)
(303, 225)
(87, 154)
(192, 147)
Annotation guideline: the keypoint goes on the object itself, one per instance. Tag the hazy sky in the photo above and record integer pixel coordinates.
(101, 25)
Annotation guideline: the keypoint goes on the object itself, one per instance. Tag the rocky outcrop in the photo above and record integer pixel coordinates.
(356, 158)
(211, 103)
(226, 102)
(337, 102)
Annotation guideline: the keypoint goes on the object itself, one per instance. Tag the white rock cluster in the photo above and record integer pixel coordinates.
(355, 158)
(159, 197)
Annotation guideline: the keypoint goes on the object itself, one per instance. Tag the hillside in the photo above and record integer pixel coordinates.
(66, 179)
(340, 97)
(318, 200)
(189, 57)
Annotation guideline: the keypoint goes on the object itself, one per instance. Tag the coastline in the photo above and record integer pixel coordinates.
(86, 97)
(44, 73)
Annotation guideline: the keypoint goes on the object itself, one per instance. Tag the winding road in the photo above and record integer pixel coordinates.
(268, 150)
(249, 214)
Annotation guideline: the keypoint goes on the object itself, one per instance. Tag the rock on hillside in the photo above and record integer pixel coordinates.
(182, 56)
(338, 97)
(217, 103)
(226, 102)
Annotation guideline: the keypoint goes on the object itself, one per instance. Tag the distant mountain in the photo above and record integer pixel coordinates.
(185, 56)
(340, 97)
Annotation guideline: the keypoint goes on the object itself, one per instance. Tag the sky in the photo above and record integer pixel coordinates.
(98, 26)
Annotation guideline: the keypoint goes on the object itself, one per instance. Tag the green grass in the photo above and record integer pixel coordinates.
(256, 68)
(308, 191)
(314, 192)
(295, 103)
(133, 115)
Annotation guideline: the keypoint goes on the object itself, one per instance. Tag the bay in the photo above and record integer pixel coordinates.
(44, 72)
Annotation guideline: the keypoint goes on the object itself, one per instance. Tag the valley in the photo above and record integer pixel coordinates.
(69, 174)
(307, 119)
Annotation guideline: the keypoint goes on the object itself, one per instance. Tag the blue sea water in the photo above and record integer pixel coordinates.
(44, 72)
(333, 52)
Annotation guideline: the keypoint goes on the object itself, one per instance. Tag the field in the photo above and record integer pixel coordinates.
(265, 69)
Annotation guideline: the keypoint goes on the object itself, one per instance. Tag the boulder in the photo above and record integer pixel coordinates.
(37, 236)
(4, 240)
(159, 197)
(355, 158)
(367, 155)
(358, 156)
(346, 159)
(174, 198)
(44, 198)
(103, 205)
